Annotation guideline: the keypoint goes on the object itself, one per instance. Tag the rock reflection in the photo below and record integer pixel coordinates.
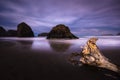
(59, 46)
(41, 45)
(25, 44)
(9, 44)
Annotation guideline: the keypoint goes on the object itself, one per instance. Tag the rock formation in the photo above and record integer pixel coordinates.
(2, 32)
(91, 55)
(12, 33)
(61, 32)
(118, 34)
(42, 34)
(107, 35)
(24, 30)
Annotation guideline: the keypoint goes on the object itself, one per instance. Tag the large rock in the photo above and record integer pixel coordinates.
(12, 33)
(2, 32)
(24, 30)
(43, 34)
(61, 32)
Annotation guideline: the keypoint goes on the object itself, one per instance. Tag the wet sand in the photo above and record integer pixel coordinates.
(19, 62)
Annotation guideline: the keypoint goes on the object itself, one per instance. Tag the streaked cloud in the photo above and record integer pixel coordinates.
(82, 16)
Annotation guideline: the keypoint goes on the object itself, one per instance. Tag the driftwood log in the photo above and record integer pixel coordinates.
(92, 56)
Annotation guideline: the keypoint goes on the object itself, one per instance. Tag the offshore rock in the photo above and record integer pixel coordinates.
(12, 33)
(2, 32)
(42, 34)
(24, 30)
(118, 34)
(61, 32)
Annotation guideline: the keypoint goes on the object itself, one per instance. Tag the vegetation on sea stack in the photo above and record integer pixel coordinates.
(24, 30)
(61, 32)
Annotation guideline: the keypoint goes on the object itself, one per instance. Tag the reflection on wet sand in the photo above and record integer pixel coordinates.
(15, 43)
(37, 59)
(9, 44)
(59, 46)
(40, 45)
(25, 44)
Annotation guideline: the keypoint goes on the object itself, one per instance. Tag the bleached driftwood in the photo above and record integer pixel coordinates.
(91, 55)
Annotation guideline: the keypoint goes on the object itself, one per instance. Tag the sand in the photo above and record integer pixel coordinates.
(18, 61)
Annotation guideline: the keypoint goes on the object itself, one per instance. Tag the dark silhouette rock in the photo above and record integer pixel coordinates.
(24, 30)
(12, 33)
(61, 32)
(118, 34)
(107, 35)
(2, 32)
(43, 34)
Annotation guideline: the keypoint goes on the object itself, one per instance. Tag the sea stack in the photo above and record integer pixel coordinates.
(118, 34)
(61, 32)
(12, 33)
(24, 30)
(2, 32)
(42, 34)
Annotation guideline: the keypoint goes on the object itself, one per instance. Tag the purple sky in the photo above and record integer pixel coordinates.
(84, 17)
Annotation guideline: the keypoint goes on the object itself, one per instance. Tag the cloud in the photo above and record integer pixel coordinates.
(79, 15)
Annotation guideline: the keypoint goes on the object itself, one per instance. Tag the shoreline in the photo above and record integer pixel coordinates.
(19, 61)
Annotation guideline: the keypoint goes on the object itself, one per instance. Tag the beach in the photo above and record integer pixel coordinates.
(42, 59)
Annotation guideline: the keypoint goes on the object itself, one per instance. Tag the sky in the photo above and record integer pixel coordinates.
(83, 17)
